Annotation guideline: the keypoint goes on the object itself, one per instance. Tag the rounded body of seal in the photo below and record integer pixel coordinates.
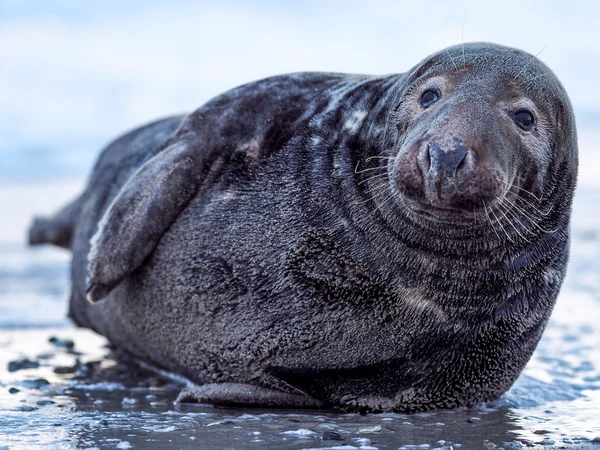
(312, 240)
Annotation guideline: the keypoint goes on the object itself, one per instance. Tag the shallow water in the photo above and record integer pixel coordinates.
(75, 395)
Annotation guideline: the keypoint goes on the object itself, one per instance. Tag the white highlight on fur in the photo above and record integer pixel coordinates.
(552, 277)
(95, 239)
(420, 303)
(228, 195)
(354, 121)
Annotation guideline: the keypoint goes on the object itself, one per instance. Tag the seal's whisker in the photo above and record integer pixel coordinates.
(451, 59)
(529, 62)
(374, 192)
(378, 157)
(516, 214)
(379, 175)
(490, 220)
(387, 199)
(506, 211)
(535, 208)
(510, 186)
(528, 216)
(368, 169)
(501, 226)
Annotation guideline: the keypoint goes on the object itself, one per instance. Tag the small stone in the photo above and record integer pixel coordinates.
(373, 429)
(63, 343)
(220, 422)
(596, 440)
(301, 433)
(44, 402)
(127, 401)
(158, 389)
(35, 384)
(332, 436)
(21, 364)
(546, 441)
(473, 419)
(514, 445)
(57, 425)
(151, 397)
(541, 432)
(103, 422)
(157, 404)
(61, 370)
(13, 390)
(27, 408)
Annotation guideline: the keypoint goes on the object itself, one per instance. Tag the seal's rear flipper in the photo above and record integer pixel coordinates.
(237, 394)
(143, 210)
(57, 230)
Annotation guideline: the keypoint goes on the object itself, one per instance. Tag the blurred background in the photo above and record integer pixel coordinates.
(74, 75)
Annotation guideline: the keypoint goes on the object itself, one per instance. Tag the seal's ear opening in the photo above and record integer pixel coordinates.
(143, 210)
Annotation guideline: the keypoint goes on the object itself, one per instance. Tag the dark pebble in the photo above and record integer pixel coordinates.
(546, 441)
(596, 440)
(332, 436)
(514, 445)
(21, 364)
(541, 432)
(35, 384)
(64, 370)
(63, 343)
(27, 408)
(57, 424)
(104, 422)
(44, 402)
(13, 391)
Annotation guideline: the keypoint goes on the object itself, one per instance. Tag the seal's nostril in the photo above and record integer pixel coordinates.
(424, 158)
(462, 164)
(427, 161)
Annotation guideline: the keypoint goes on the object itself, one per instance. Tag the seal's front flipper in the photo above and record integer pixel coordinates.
(143, 210)
(237, 394)
(57, 230)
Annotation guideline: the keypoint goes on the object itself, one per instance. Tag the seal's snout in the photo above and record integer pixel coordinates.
(442, 173)
(444, 168)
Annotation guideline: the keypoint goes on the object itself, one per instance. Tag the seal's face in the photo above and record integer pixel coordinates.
(474, 128)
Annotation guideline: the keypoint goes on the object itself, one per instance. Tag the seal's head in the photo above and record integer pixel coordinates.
(479, 126)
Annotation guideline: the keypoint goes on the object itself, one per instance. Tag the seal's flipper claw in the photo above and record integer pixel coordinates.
(238, 394)
(143, 210)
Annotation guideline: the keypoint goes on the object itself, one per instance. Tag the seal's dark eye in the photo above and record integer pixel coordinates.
(524, 119)
(428, 98)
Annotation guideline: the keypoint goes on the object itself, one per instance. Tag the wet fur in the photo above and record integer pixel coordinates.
(275, 257)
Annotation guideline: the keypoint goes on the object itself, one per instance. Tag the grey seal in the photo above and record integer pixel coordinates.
(368, 243)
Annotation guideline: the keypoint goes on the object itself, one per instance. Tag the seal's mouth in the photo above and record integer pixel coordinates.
(444, 214)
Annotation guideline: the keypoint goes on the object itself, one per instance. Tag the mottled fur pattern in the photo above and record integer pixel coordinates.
(267, 240)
